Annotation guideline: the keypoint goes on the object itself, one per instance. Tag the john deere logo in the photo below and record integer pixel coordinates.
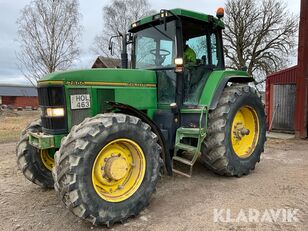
(136, 84)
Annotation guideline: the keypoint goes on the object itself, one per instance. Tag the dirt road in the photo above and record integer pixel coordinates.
(278, 182)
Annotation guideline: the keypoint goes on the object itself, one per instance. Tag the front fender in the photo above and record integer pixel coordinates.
(127, 109)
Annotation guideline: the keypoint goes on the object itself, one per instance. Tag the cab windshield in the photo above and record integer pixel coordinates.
(155, 47)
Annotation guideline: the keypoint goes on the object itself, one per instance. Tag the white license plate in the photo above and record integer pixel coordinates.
(80, 101)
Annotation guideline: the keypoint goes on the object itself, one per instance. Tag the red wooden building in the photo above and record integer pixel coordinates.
(287, 90)
(18, 96)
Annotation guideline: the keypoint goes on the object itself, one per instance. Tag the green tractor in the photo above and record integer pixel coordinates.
(106, 135)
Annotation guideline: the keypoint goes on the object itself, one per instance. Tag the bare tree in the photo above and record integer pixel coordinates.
(48, 34)
(259, 35)
(117, 17)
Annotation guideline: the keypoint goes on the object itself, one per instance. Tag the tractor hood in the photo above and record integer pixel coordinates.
(102, 76)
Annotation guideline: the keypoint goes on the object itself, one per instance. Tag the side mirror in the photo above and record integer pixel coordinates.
(110, 47)
(244, 68)
(130, 38)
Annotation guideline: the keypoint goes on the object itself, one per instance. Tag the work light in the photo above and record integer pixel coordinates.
(178, 64)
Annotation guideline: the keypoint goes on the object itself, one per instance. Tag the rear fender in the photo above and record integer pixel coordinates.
(223, 83)
(216, 83)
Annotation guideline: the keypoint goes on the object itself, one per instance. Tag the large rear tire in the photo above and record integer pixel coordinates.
(236, 132)
(35, 164)
(107, 168)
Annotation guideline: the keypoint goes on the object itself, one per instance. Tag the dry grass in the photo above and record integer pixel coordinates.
(11, 127)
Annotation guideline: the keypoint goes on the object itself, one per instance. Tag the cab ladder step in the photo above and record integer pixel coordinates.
(183, 164)
(186, 147)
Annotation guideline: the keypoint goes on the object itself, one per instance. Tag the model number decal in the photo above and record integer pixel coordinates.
(75, 83)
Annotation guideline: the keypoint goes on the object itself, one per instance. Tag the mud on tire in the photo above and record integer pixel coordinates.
(217, 150)
(74, 162)
(29, 161)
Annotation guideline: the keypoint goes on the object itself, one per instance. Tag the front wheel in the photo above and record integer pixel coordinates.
(107, 168)
(35, 164)
(236, 132)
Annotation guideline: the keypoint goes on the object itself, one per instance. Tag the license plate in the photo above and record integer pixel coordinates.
(80, 101)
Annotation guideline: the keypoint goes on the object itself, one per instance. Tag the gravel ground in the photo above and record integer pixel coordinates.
(278, 182)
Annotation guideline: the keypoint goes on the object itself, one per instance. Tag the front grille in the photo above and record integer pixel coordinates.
(78, 115)
(52, 97)
(54, 125)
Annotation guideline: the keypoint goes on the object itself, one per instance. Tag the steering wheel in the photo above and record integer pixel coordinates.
(163, 54)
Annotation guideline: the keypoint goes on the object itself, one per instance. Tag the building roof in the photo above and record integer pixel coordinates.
(104, 62)
(11, 90)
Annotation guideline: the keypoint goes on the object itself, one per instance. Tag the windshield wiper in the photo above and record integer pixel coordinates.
(163, 33)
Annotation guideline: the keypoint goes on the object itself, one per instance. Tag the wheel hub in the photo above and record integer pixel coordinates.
(240, 131)
(245, 131)
(116, 168)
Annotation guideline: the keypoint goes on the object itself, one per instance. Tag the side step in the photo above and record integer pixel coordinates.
(183, 165)
(186, 147)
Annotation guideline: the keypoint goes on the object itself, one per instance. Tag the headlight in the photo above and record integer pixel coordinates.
(55, 112)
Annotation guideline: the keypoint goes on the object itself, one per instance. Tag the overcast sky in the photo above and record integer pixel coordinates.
(92, 23)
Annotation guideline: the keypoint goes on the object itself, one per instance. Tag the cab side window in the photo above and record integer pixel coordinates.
(199, 45)
(214, 52)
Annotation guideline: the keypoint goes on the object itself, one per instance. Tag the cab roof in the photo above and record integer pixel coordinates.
(178, 12)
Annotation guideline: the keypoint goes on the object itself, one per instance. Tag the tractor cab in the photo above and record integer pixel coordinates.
(183, 47)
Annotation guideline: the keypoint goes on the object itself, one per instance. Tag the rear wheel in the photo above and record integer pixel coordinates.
(107, 168)
(35, 164)
(236, 132)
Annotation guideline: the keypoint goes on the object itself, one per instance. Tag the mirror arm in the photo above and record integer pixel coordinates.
(110, 45)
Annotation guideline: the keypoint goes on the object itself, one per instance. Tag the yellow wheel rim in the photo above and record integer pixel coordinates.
(47, 159)
(245, 131)
(118, 170)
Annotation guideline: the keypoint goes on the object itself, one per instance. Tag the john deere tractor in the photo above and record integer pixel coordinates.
(106, 135)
